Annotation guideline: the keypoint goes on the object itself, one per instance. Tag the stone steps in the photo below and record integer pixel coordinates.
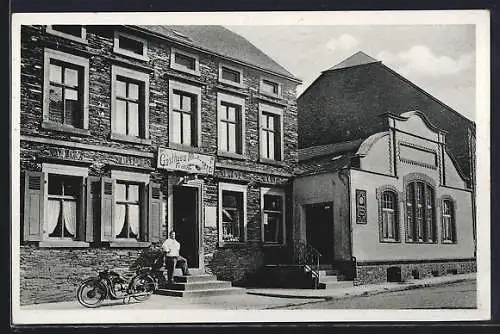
(200, 293)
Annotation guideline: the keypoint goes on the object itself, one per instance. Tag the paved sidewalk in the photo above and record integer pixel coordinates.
(361, 290)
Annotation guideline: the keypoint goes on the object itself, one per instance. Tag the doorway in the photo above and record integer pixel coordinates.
(185, 222)
(319, 229)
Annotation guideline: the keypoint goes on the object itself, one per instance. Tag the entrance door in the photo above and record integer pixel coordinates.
(319, 229)
(185, 219)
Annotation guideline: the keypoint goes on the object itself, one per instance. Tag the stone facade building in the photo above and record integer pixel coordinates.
(128, 132)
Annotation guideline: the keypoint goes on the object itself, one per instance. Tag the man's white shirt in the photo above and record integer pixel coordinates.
(171, 247)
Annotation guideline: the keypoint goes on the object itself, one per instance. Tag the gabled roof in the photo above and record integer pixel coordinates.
(329, 149)
(220, 41)
(359, 58)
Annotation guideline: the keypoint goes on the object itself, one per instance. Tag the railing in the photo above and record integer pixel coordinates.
(308, 256)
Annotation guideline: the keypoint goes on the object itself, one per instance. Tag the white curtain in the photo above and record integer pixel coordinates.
(133, 218)
(119, 218)
(69, 213)
(54, 208)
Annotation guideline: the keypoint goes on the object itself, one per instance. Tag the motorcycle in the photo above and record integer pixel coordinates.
(111, 285)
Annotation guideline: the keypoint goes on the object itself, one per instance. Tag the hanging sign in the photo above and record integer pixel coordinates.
(360, 206)
(188, 162)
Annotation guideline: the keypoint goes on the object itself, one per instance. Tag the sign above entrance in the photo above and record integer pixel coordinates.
(188, 162)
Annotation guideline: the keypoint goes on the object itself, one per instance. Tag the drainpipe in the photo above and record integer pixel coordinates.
(345, 173)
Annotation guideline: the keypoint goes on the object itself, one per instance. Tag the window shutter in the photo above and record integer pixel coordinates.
(93, 209)
(155, 211)
(144, 224)
(107, 208)
(82, 212)
(277, 138)
(34, 186)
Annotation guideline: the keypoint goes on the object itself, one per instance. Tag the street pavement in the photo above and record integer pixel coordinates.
(255, 299)
(450, 296)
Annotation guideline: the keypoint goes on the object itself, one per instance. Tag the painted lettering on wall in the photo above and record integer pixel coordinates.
(245, 176)
(185, 161)
(361, 206)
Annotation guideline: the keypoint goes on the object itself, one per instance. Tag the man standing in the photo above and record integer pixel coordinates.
(171, 248)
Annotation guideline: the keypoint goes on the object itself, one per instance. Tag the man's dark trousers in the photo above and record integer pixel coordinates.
(171, 263)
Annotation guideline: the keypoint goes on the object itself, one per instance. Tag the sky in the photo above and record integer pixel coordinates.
(438, 58)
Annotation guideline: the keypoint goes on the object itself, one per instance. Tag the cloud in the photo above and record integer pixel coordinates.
(420, 60)
(344, 42)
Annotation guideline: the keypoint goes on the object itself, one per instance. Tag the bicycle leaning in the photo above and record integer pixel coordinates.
(111, 285)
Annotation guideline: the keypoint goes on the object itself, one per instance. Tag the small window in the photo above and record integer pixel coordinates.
(272, 216)
(129, 45)
(63, 206)
(185, 62)
(230, 75)
(270, 87)
(448, 216)
(389, 216)
(73, 32)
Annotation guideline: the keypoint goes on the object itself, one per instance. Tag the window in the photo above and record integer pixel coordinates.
(270, 133)
(231, 124)
(130, 45)
(63, 206)
(232, 213)
(184, 114)
(420, 212)
(185, 62)
(65, 105)
(130, 112)
(269, 87)
(273, 218)
(448, 216)
(389, 216)
(73, 32)
(127, 210)
(230, 75)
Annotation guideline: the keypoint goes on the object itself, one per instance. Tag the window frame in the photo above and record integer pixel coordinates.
(278, 84)
(142, 77)
(231, 68)
(396, 213)
(415, 225)
(83, 39)
(273, 192)
(82, 62)
(64, 170)
(240, 102)
(175, 66)
(233, 188)
(453, 217)
(190, 90)
(117, 49)
(266, 108)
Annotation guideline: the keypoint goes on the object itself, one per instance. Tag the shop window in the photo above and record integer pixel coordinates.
(184, 114)
(269, 87)
(273, 215)
(420, 220)
(232, 217)
(230, 75)
(185, 62)
(271, 133)
(65, 105)
(231, 121)
(73, 32)
(130, 45)
(388, 218)
(130, 111)
(448, 221)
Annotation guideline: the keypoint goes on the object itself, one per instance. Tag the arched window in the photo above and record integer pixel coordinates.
(420, 220)
(390, 226)
(448, 216)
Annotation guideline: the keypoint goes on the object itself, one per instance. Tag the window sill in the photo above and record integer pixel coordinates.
(185, 70)
(130, 54)
(231, 155)
(63, 244)
(64, 128)
(129, 244)
(185, 148)
(232, 89)
(448, 242)
(272, 99)
(422, 242)
(82, 40)
(272, 162)
(129, 139)
(389, 241)
(273, 244)
(232, 244)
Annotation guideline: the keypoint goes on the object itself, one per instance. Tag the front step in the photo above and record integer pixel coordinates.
(335, 285)
(197, 285)
(200, 286)
(200, 293)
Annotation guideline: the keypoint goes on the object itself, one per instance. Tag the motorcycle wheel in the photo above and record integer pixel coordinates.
(91, 293)
(142, 284)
